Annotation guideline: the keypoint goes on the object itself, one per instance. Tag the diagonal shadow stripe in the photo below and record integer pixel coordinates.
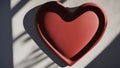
(109, 58)
(18, 6)
(62, 1)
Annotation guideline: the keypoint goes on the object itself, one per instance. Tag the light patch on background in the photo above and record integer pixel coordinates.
(13, 3)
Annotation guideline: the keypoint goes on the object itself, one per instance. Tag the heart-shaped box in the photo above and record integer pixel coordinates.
(70, 35)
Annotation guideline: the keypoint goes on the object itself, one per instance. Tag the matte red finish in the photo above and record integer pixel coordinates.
(70, 35)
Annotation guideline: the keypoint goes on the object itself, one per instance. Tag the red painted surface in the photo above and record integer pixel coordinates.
(71, 37)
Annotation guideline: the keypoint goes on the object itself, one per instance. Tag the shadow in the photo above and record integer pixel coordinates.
(6, 41)
(62, 1)
(27, 39)
(36, 62)
(109, 58)
(50, 65)
(33, 58)
(6, 53)
(18, 6)
(19, 36)
(30, 28)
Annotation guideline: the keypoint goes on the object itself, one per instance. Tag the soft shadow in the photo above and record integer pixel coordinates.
(33, 58)
(6, 53)
(62, 1)
(18, 7)
(109, 58)
(6, 41)
(49, 65)
(19, 36)
(29, 25)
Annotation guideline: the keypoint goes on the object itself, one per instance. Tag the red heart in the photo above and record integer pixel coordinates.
(70, 35)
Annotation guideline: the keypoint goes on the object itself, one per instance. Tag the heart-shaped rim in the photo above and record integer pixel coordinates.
(67, 16)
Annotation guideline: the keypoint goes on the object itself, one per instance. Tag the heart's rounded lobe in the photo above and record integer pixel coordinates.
(70, 37)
